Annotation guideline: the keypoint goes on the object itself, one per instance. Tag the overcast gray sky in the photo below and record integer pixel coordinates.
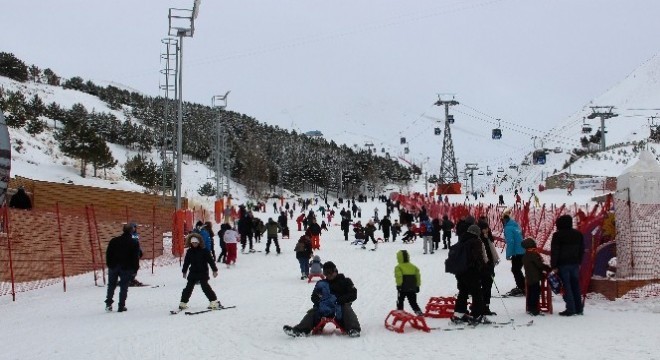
(358, 69)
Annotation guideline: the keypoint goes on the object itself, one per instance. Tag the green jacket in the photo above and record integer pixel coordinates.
(406, 274)
(272, 228)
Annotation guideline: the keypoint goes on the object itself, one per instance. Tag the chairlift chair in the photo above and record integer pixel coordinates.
(538, 157)
(450, 119)
(480, 173)
(438, 131)
(500, 169)
(489, 173)
(406, 150)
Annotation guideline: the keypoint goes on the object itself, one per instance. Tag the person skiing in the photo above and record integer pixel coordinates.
(198, 260)
(408, 280)
(272, 228)
(122, 259)
(345, 292)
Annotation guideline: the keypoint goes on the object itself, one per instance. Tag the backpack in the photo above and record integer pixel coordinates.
(300, 246)
(457, 258)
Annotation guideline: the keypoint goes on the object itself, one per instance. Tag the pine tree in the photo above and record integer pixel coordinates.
(206, 190)
(17, 115)
(101, 156)
(51, 77)
(13, 67)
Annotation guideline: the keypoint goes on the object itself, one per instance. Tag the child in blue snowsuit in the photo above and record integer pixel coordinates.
(325, 302)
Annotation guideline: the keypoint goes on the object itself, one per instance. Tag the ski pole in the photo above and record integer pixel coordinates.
(502, 299)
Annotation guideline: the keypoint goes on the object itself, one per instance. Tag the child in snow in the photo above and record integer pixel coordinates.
(408, 280)
(535, 269)
(231, 240)
(326, 302)
(316, 266)
(198, 260)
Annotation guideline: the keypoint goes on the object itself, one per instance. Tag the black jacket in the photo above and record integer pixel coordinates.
(122, 252)
(198, 260)
(567, 246)
(314, 229)
(341, 287)
(282, 221)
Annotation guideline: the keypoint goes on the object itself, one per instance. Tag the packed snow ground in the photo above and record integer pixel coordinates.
(50, 323)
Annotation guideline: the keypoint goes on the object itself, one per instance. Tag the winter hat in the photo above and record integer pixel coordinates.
(469, 219)
(474, 230)
(199, 223)
(317, 258)
(528, 243)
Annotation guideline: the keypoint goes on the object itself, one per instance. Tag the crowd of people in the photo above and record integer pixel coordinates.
(334, 294)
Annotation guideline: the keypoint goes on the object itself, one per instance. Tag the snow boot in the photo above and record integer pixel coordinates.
(183, 306)
(122, 308)
(293, 332)
(353, 333)
(214, 305)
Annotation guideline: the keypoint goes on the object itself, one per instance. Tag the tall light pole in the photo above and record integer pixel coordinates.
(181, 24)
(219, 102)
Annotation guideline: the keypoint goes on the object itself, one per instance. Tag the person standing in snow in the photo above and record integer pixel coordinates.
(566, 253)
(488, 272)
(231, 242)
(386, 226)
(426, 232)
(122, 259)
(446, 226)
(514, 252)
(198, 260)
(303, 251)
(469, 282)
(272, 228)
(408, 280)
(535, 271)
(221, 239)
(136, 237)
(369, 231)
(345, 292)
(314, 231)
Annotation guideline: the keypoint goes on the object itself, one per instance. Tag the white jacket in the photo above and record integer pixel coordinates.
(231, 237)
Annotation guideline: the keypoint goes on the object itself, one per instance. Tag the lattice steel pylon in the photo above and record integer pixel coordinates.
(448, 170)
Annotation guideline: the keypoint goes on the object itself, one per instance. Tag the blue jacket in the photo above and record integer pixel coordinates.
(208, 244)
(327, 302)
(513, 237)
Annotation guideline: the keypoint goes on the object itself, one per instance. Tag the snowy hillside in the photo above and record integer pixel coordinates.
(635, 99)
(38, 157)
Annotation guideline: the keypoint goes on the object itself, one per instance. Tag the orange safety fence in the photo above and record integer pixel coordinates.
(44, 246)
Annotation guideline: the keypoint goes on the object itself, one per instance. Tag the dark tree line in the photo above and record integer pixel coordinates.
(262, 157)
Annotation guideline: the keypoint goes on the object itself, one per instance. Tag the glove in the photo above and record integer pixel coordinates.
(215, 274)
(184, 275)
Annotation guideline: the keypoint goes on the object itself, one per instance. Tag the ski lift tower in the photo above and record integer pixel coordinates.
(471, 167)
(448, 170)
(219, 102)
(181, 24)
(604, 113)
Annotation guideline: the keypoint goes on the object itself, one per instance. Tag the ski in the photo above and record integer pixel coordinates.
(208, 310)
(174, 312)
(492, 325)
